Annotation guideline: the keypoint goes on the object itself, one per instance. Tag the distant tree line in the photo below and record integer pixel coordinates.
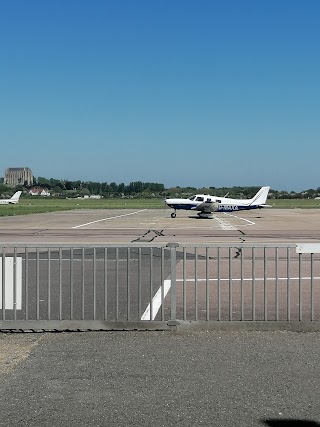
(67, 188)
(100, 188)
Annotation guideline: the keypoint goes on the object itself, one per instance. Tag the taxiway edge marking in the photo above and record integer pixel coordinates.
(156, 301)
(106, 219)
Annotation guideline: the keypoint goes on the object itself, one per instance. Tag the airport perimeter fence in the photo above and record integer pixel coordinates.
(158, 287)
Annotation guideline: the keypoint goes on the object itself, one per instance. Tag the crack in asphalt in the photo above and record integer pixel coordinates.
(149, 236)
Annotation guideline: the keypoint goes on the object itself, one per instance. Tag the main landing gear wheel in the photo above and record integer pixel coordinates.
(205, 215)
(173, 215)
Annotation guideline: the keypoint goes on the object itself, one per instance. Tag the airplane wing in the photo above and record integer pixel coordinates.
(206, 207)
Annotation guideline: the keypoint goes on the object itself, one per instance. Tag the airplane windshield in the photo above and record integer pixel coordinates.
(192, 198)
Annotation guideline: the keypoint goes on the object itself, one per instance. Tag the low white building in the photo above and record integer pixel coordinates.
(38, 191)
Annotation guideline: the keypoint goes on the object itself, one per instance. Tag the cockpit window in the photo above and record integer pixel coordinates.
(199, 199)
(192, 198)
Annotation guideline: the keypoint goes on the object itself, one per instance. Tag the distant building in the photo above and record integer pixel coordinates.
(39, 191)
(18, 176)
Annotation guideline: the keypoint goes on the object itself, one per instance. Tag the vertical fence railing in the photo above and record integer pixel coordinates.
(15, 284)
(253, 284)
(3, 284)
(162, 278)
(151, 284)
(139, 284)
(288, 284)
(230, 284)
(26, 285)
(207, 287)
(276, 260)
(184, 290)
(262, 282)
(105, 283)
(311, 286)
(219, 284)
(172, 283)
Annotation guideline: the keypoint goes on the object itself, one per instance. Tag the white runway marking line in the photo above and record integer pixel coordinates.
(156, 301)
(224, 225)
(106, 219)
(243, 219)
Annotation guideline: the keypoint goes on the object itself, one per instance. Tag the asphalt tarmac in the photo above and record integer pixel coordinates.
(156, 226)
(160, 378)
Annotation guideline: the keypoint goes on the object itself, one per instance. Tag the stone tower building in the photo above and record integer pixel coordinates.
(18, 176)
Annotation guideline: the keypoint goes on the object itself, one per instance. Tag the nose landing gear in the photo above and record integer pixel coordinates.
(173, 215)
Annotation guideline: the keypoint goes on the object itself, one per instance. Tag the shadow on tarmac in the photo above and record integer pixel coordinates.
(290, 423)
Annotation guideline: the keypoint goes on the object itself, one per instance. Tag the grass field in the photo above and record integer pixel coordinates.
(40, 205)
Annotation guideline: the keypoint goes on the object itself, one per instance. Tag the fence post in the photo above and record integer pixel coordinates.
(173, 322)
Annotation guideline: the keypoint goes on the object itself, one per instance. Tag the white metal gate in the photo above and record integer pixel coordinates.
(86, 287)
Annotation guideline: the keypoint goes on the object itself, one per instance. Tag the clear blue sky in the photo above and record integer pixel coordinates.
(180, 92)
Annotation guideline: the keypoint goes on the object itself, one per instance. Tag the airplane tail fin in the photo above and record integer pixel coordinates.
(261, 196)
(16, 196)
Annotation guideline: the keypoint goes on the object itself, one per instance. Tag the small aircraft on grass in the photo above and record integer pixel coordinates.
(13, 200)
(206, 204)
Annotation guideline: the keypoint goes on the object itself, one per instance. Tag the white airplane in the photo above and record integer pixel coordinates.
(206, 204)
(13, 200)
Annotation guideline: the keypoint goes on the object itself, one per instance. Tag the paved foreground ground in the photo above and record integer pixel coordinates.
(154, 378)
(160, 379)
(125, 226)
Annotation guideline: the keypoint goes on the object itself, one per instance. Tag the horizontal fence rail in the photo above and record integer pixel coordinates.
(175, 286)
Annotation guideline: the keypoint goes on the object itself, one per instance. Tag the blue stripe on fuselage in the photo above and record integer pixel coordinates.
(235, 208)
(184, 206)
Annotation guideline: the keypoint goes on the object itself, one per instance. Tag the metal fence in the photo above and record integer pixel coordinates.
(60, 287)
